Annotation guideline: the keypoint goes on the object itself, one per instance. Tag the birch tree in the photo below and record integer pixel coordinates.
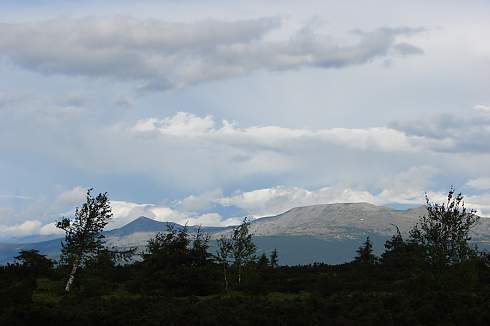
(83, 233)
(243, 248)
(444, 231)
(223, 256)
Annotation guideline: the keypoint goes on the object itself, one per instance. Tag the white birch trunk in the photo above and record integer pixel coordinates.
(226, 278)
(71, 279)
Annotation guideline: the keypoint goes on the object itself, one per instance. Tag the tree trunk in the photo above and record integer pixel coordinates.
(239, 274)
(226, 278)
(71, 278)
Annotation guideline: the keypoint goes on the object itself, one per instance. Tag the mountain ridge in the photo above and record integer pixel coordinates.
(316, 230)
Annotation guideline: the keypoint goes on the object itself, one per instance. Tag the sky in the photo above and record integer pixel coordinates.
(207, 111)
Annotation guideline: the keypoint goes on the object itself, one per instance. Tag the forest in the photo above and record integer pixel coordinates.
(431, 276)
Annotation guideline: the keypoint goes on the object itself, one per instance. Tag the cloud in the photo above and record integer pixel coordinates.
(482, 108)
(50, 229)
(28, 228)
(199, 153)
(123, 101)
(278, 199)
(213, 219)
(8, 98)
(125, 212)
(408, 187)
(480, 202)
(36, 112)
(188, 126)
(71, 99)
(199, 202)
(72, 196)
(196, 153)
(25, 228)
(465, 133)
(164, 55)
(11, 196)
(407, 49)
(36, 215)
(479, 183)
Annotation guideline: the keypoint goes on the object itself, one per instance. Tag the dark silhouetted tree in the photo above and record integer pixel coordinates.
(393, 247)
(34, 262)
(274, 258)
(169, 249)
(365, 253)
(83, 233)
(178, 262)
(200, 247)
(401, 255)
(263, 262)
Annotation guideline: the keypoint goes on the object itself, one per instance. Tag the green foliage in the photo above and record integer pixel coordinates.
(174, 263)
(237, 252)
(83, 233)
(401, 256)
(179, 283)
(167, 250)
(48, 292)
(444, 231)
(242, 248)
(223, 256)
(200, 248)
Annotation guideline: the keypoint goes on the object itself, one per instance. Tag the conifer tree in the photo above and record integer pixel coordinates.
(34, 262)
(365, 253)
(393, 247)
(263, 262)
(200, 246)
(274, 258)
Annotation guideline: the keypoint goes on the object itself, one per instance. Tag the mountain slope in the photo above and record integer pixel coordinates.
(338, 221)
(329, 232)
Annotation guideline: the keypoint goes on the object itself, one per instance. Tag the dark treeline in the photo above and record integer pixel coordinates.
(431, 276)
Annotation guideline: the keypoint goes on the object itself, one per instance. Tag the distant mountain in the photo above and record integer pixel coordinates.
(9, 250)
(329, 233)
(29, 238)
(332, 232)
(144, 224)
(339, 221)
(138, 232)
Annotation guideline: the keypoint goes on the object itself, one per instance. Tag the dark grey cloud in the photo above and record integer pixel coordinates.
(163, 55)
(407, 49)
(465, 133)
(123, 101)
